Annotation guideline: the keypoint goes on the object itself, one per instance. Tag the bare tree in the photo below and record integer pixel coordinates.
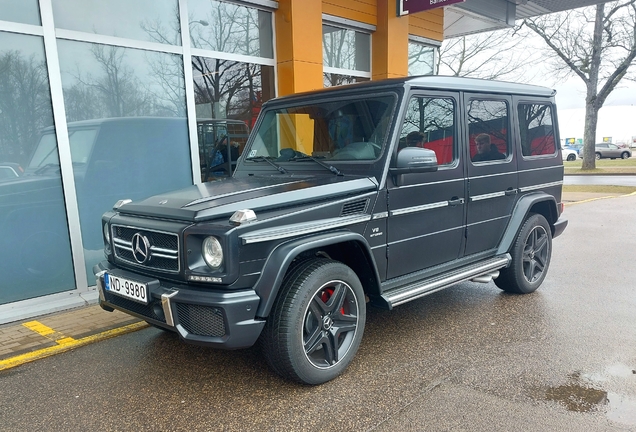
(225, 29)
(598, 45)
(25, 105)
(492, 55)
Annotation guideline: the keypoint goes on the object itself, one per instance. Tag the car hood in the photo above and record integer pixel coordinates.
(29, 188)
(217, 199)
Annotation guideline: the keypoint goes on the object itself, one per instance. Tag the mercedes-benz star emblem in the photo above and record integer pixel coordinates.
(141, 248)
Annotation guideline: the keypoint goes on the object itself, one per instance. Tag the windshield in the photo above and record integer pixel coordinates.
(340, 130)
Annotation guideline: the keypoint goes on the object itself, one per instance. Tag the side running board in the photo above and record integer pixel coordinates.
(418, 289)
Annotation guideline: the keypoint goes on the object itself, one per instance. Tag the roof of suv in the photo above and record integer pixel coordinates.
(437, 82)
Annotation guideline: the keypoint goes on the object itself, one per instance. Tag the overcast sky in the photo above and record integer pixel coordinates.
(616, 118)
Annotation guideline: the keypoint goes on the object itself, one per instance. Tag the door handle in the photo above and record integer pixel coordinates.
(455, 201)
(510, 191)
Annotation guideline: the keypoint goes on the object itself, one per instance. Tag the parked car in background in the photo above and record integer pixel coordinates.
(578, 148)
(612, 151)
(569, 154)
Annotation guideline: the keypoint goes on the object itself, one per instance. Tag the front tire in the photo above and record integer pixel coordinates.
(624, 155)
(316, 324)
(571, 157)
(531, 255)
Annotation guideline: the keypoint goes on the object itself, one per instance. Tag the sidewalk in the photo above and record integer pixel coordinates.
(28, 340)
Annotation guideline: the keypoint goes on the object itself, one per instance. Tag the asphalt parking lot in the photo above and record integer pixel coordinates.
(466, 358)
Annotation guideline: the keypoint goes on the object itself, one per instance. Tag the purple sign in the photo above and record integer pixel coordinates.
(405, 7)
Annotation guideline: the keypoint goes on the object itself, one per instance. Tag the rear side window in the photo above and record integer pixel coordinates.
(536, 129)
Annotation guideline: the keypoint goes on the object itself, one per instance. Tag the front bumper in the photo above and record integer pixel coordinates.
(223, 319)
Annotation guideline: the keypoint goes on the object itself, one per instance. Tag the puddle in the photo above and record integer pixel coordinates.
(581, 395)
(577, 398)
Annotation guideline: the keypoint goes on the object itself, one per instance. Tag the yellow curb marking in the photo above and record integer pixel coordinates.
(599, 198)
(66, 344)
(48, 332)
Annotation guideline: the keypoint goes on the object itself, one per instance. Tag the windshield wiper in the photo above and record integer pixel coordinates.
(43, 168)
(267, 159)
(303, 157)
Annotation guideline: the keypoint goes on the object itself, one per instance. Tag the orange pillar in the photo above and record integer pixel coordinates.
(299, 46)
(390, 43)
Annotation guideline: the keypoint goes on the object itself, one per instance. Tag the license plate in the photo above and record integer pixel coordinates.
(137, 291)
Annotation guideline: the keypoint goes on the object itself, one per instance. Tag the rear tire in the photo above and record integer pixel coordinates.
(316, 324)
(598, 156)
(531, 255)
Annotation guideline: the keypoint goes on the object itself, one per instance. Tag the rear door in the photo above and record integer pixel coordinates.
(427, 211)
(492, 171)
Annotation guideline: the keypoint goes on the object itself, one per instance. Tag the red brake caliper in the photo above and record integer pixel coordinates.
(326, 295)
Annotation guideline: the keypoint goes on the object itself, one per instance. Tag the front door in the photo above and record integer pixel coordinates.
(427, 210)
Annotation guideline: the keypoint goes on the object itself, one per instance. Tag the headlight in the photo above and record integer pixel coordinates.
(106, 233)
(212, 252)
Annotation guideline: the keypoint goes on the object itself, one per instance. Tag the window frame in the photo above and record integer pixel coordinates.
(350, 25)
(456, 131)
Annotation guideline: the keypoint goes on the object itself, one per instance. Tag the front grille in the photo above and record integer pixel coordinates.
(138, 308)
(201, 320)
(164, 248)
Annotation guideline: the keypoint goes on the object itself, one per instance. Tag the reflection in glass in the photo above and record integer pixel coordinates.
(333, 79)
(35, 253)
(421, 59)
(352, 129)
(346, 49)
(108, 81)
(22, 11)
(429, 123)
(146, 20)
(127, 129)
(226, 89)
(536, 129)
(230, 28)
(489, 117)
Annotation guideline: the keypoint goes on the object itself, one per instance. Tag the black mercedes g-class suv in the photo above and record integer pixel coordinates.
(375, 193)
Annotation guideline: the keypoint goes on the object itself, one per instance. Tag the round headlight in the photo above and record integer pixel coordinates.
(106, 233)
(212, 252)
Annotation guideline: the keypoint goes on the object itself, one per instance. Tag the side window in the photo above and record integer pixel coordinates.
(488, 130)
(430, 123)
(536, 129)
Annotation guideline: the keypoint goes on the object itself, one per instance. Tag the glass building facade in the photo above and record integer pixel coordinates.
(101, 101)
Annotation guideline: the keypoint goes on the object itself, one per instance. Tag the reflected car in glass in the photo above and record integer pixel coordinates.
(106, 155)
(10, 170)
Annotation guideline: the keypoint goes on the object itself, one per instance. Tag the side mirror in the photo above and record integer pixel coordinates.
(412, 160)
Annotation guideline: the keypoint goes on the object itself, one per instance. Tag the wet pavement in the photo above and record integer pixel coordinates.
(466, 358)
